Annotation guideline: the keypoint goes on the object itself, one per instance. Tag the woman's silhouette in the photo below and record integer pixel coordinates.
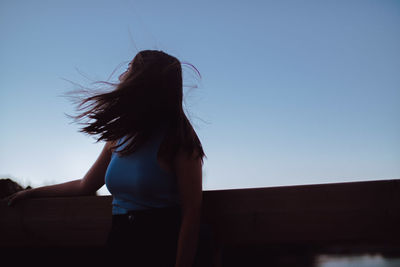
(151, 163)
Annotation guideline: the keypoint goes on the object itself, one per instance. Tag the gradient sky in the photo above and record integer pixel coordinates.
(292, 92)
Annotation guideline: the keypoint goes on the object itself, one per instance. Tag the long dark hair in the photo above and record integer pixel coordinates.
(149, 95)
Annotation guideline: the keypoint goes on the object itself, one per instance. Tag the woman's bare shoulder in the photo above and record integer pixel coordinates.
(110, 144)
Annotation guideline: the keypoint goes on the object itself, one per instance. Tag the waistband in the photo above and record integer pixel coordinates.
(174, 211)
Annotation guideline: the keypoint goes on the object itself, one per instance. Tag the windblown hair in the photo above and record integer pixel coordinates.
(149, 95)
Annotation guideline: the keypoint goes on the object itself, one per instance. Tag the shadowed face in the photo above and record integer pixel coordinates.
(124, 75)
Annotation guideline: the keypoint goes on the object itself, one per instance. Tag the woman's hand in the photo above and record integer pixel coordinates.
(18, 196)
(93, 181)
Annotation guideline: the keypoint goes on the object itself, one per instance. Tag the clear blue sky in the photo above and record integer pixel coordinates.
(292, 92)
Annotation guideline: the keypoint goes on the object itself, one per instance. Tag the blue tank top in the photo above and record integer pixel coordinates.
(137, 182)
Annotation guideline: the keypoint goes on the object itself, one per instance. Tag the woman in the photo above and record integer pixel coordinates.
(151, 164)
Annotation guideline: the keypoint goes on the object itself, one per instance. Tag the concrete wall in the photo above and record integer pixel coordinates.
(355, 217)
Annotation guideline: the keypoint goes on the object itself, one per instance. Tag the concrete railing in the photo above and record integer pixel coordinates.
(354, 217)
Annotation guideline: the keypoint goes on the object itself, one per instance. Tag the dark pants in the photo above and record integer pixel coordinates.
(145, 238)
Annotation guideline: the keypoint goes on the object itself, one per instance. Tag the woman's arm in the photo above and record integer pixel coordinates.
(89, 184)
(189, 174)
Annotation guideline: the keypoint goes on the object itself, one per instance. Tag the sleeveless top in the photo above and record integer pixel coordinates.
(137, 182)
